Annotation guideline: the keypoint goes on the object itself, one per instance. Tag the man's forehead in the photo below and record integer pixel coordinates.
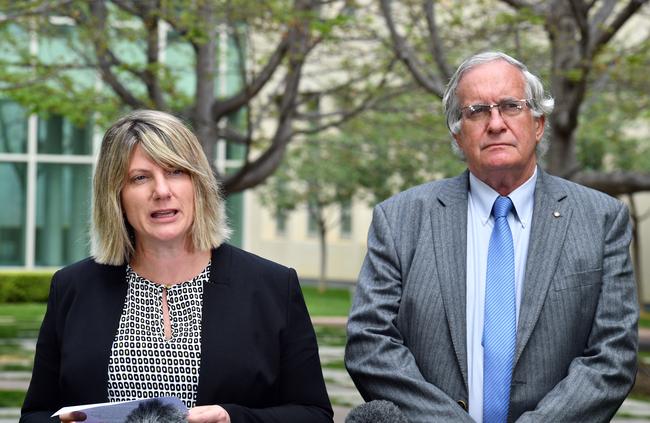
(492, 80)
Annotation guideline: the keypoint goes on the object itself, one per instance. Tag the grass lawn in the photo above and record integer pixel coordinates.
(13, 399)
(644, 319)
(24, 320)
(332, 302)
(21, 320)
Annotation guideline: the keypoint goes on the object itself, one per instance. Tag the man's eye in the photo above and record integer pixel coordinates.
(509, 106)
(478, 109)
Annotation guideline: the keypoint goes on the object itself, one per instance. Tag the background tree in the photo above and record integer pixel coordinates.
(321, 175)
(574, 40)
(595, 54)
(128, 44)
(398, 143)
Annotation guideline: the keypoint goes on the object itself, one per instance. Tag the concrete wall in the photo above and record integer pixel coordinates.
(298, 249)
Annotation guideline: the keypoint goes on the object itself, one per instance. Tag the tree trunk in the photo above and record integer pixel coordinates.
(569, 69)
(204, 126)
(322, 276)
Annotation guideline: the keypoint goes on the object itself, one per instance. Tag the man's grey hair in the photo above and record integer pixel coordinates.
(541, 103)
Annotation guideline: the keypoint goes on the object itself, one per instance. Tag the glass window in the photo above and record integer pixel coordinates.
(281, 222)
(312, 222)
(57, 135)
(13, 188)
(13, 128)
(346, 218)
(62, 213)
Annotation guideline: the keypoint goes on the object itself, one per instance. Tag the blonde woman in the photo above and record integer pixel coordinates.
(164, 307)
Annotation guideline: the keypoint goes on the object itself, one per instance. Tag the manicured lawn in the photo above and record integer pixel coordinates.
(20, 320)
(13, 399)
(644, 320)
(24, 320)
(332, 302)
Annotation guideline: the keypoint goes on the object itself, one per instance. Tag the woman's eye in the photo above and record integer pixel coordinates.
(138, 179)
(176, 172)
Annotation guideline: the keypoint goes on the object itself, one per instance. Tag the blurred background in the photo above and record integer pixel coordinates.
(311, 111)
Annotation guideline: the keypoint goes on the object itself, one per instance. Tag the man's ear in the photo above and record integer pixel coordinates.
(539, 128)
(456, 138)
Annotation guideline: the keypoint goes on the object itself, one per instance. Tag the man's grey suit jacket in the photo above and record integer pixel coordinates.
(575, 357)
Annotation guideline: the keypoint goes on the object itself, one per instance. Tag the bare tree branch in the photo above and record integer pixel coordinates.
(250, 90)
(580, 13)
(614, 183)
(105, 58)
(523, 4)
(151, 80)
(345, 115)
(234, 136)
(298, 44)
(365, 104)
(127, 6)
(601, 34)
(206, 72)
(601, 15)
(407, 55)
(435, 43)
(42, 9)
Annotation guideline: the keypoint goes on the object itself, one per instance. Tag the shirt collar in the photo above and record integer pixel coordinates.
(483, 197)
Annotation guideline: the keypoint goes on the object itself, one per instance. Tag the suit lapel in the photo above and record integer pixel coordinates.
(216, 295)
(551, 215)
(108, 296)
(449, 227)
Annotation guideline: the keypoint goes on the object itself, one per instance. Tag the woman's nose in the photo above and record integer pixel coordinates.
(161, 188)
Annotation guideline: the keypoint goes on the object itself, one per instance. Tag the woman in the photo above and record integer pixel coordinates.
(164, 307)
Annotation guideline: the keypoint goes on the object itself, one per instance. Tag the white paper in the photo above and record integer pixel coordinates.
(117, 412)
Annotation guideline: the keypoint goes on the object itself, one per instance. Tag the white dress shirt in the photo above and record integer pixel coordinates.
(479, 229)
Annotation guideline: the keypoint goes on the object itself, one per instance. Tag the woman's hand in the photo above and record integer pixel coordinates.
(75, 416)
(208, 414)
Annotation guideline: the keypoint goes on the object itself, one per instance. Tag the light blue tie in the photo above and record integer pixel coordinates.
(499, 327)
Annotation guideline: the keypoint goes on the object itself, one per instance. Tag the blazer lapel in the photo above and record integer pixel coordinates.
(109, 294)
(216, 294)
(551, 216)
(449, 227)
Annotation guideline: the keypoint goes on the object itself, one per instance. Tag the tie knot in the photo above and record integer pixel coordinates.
(502, 207)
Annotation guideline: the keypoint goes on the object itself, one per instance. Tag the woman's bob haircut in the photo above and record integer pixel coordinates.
(170, 144)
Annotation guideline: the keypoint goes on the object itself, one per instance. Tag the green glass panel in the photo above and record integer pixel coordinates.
(235, 212)
(62, 213)
(56, 135)
(13, 189)
(346, 218)
(13, 128)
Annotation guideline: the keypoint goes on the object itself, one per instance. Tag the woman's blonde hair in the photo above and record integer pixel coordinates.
(170, 144)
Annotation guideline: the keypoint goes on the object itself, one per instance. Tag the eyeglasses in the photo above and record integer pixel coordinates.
(478, 112)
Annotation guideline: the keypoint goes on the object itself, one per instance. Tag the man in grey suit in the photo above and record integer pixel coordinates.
(465, 313)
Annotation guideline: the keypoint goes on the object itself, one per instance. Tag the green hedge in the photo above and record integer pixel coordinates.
(22, 287)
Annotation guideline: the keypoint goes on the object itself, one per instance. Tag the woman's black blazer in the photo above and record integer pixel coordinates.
(259, 357)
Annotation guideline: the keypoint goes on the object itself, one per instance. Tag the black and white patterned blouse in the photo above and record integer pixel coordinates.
(143, 364)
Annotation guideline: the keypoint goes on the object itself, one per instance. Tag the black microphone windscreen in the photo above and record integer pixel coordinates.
(155, 411)
(377, 411)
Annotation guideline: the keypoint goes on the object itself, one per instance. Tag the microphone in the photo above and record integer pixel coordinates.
(155, 411)
(377, 411)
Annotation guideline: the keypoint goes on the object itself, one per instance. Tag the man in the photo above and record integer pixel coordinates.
(505, 293)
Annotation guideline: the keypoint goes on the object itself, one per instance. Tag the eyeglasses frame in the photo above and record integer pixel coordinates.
(523, 102)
